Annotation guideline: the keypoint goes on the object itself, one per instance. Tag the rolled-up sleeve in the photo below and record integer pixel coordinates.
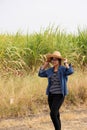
(69, 71)
(42, 73)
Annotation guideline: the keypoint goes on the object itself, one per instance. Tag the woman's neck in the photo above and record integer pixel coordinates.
(56, 68)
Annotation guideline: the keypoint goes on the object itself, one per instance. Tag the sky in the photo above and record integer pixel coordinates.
(33, 15)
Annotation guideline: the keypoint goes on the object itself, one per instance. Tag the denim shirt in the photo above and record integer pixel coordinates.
(63, 74)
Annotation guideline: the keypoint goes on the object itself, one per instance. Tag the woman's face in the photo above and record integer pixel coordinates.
(55, 62)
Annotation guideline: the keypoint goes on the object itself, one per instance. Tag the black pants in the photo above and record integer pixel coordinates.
(55, 101)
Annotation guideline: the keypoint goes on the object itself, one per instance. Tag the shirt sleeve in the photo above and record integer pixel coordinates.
(42, 73)
(69, 71)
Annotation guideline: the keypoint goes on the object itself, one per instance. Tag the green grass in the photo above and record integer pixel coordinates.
(26, 52)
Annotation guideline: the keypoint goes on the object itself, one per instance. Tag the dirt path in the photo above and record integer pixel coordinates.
(71, 120)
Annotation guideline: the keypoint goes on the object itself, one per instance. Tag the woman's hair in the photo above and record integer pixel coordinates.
(59, 61)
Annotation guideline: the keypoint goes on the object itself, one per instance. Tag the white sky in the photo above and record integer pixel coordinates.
(32, 15)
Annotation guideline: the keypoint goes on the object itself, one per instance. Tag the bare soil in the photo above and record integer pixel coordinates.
(71, 120)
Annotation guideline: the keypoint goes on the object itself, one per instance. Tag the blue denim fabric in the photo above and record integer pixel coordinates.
(63, 74)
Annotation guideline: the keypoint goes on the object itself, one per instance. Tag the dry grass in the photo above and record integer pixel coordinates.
(21, 96)
(78, 88)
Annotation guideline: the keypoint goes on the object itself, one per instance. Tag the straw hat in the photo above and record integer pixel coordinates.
(55, 54)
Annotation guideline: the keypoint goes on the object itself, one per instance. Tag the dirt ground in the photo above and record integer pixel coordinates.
(71, 120)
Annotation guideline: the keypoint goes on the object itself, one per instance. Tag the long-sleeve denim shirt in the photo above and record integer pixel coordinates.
(63, 74)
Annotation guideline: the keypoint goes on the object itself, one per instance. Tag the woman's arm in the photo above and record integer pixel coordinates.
(42, 71)
(69, 70)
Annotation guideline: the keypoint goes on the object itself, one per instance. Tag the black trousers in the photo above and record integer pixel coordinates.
(55, 101)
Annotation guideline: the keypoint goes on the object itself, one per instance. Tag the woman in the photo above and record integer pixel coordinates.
(57, 84)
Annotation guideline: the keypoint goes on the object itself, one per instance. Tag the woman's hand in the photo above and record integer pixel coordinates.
(66, 63)
(45, 65)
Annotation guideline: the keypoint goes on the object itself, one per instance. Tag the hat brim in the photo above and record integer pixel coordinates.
(49, 56)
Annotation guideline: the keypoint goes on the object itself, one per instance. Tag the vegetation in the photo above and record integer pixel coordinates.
(21, 90)
(26, 52)
(20, 96)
